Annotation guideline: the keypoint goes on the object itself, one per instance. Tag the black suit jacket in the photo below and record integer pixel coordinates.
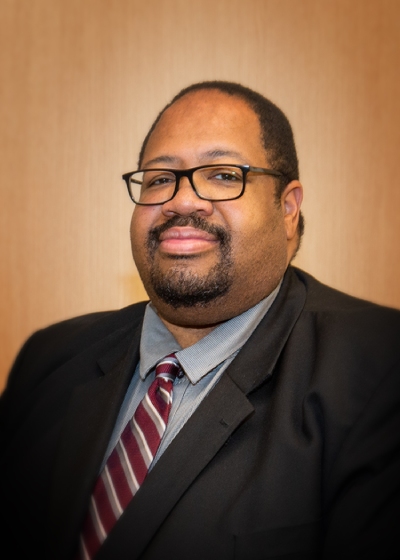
(293, 454)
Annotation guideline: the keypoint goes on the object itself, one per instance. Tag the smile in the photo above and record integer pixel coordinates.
(186, 240)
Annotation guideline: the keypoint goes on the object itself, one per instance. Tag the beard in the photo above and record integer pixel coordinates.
(181, 287)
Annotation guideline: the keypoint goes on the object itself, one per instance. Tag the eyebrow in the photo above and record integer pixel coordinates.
(210, 154)
(161, 159)
(214, 154)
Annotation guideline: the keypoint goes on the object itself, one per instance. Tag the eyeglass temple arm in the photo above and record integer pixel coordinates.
(265, 171)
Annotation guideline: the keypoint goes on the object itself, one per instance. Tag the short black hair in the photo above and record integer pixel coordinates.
(277, 133)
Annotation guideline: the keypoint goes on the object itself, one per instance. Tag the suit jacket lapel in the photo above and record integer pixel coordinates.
(216, 418)
(192, 449)
(256, 361)
(87, 429)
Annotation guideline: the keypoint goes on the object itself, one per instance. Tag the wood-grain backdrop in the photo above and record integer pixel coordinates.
(82, 80)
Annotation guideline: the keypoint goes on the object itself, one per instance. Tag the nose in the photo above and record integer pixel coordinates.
(186, 201)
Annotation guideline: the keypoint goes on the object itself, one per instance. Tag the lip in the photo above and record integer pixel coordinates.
(186, 240)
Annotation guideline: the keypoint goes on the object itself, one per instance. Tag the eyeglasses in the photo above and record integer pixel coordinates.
(216, 183)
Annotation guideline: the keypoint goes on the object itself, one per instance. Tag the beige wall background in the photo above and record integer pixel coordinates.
(82, 80)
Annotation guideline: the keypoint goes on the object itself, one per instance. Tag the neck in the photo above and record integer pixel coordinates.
(187, 336)
(189, 325)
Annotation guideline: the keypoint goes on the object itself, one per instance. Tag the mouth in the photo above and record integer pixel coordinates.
(187, 237)
(186, 240)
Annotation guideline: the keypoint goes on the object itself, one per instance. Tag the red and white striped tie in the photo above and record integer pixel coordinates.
(128, 464)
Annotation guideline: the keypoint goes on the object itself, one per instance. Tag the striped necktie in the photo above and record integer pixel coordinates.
(128, 464)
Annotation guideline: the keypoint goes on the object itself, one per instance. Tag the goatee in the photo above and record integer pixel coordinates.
(181, 287)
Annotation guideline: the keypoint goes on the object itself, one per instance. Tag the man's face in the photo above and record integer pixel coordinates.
(204, 262)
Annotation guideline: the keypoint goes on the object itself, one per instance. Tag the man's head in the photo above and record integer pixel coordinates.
(276, 131)
(204, 262)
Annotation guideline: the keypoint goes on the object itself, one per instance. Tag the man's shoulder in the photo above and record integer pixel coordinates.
(51, 347)
(348, 321)
(98, 323)
(90, 327)
(326, 299)
(59, 342)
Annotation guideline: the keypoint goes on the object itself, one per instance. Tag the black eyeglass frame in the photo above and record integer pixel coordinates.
(179, 173)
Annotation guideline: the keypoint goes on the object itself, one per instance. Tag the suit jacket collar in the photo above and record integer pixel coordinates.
(96, 405)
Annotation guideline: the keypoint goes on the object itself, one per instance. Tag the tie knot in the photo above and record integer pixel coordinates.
(168, 368)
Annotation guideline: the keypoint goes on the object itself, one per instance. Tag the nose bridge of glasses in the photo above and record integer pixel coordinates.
(184, 174)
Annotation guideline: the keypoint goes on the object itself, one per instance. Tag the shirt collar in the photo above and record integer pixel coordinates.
(206, 354)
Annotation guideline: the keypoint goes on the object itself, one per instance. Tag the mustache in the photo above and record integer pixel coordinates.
(192, 220)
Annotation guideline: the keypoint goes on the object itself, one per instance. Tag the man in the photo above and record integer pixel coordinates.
(283, 436)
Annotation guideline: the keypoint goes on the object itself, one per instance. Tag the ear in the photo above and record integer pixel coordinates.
(291, 200)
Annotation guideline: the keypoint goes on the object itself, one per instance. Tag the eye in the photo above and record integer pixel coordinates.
(160, 181)
(157, 179)
(225, 175)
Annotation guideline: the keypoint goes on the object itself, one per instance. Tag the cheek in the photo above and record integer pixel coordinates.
(134, 225)
(139, 228)
(250, 226)
(261, 238)
(143, 219)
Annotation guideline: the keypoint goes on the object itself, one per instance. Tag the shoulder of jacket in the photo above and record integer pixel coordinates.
(55, 344)
(321, 297)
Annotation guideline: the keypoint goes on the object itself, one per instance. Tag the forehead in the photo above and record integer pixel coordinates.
(207, 122)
